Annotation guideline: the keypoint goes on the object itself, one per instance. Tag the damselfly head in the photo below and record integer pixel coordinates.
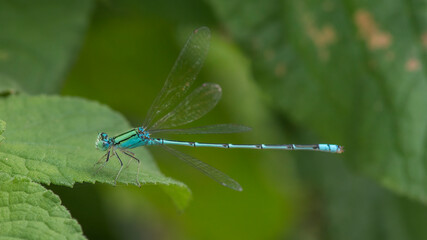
(103, 142)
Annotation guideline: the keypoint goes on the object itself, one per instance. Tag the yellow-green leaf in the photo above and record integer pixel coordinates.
(29, 211)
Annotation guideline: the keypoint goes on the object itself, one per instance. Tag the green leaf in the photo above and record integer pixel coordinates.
(8, 86)
(2, 128)
(38, 42)
(352, 72)
(51, 140)
(356, 207)
(29, 211)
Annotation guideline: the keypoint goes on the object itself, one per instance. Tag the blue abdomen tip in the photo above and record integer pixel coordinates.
(331, 148)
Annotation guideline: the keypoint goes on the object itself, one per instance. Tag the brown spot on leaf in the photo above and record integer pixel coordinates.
(280, 69)
(4, 55)
(322, 37)
(412, 64)
(370, 32)
(424, 39)
(269, 55)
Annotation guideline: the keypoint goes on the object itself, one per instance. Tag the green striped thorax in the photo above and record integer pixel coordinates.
(103, 142)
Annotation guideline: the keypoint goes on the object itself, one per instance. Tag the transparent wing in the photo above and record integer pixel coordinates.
(193, 107)
(182, 75)
(210, 129)
(206, 169)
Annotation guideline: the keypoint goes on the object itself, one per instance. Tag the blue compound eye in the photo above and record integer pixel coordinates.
(103, 136)
(102, 142)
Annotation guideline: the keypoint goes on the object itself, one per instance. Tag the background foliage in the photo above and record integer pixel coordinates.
(346, 72)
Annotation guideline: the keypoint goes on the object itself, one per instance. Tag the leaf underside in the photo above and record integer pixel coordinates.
(29, 211)
(351, 71)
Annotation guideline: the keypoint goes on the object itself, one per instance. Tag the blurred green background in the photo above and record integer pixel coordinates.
(343, 72)
(128, 51)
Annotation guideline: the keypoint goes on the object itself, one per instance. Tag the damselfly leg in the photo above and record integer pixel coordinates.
(132, 156)
(107, 156)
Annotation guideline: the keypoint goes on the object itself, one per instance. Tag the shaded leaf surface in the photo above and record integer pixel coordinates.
(352, 71)
(38, 42)
(51, 140)
(29, 211)
(356, 207)
(2, 128)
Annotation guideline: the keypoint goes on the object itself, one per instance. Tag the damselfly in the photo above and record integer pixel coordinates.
(173, 107)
